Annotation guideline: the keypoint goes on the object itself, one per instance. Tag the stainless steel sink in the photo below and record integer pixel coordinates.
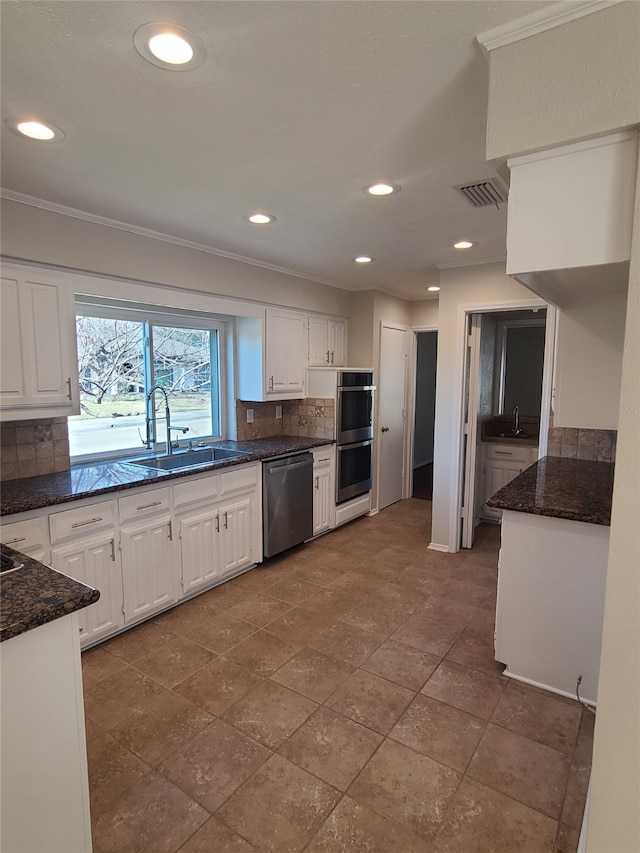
(189, 459)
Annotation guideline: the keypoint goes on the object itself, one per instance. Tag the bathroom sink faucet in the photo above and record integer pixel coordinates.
(516, 421)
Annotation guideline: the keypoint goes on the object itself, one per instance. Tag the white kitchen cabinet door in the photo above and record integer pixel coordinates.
(199, 536)
(327, 342)
(502, 464)
(95, 562)
(149, 568)
(38, 359)
(30, 537)
(236, 534)
(285, 352)
(323, 491)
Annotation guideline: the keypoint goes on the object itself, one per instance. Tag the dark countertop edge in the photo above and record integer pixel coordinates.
(36, 594)
(137, 476)
(538, 490)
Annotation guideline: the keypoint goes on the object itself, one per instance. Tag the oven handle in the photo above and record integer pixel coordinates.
(355, 444)
(356, 387)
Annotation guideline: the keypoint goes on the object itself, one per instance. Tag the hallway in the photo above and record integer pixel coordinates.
(343, 698)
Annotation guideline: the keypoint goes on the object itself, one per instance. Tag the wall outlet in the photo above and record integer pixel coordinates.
(249, 416)
(278, 412)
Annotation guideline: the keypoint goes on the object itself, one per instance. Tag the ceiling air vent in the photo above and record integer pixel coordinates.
(484, 193)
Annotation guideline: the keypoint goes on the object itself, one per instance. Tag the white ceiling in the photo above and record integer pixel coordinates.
(298, 106)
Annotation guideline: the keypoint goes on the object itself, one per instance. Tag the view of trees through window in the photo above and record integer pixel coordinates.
(119, 360)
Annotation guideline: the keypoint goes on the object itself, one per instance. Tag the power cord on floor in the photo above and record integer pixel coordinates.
(584, 705)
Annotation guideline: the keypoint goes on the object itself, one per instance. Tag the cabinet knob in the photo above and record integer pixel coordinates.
(384, 429)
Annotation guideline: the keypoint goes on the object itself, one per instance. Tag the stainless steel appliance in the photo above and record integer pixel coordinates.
(287, 502)
(353, 470)
(354, 406)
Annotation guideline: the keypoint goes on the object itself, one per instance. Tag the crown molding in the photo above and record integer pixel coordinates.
(540, 21)
(74, 213)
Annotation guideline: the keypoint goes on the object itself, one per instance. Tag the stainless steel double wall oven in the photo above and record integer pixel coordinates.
(354, 433)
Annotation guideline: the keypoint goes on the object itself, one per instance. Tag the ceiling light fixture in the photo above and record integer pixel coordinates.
(169, 46)
(363, 259)
(433, 289)
(33, 129)
(382, 189)
(464, 244)
(261, 218)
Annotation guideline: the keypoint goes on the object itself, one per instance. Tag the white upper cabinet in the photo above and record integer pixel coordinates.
(38, 357)
(570, 216)
(327, 341)
(272, 356)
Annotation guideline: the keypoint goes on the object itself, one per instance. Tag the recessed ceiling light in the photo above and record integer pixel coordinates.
(169, 46)
(261, 218)
(433, 289)
(363, 259)
(464, 244)
(382, 189)
(32, 129)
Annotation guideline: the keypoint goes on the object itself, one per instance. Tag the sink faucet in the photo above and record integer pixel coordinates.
(167, 417)
(516, 421)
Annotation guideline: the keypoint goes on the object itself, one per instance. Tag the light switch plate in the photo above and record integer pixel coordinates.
(278, 412)
(249, 416)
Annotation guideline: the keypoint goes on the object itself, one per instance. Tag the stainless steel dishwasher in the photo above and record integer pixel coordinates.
(287, 502)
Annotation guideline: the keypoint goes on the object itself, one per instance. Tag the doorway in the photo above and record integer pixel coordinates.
(424, 414)
(392, 414)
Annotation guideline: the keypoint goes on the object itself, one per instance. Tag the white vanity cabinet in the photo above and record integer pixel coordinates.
(501, 463)
(38, 355)
(323, 489)
(84, 547)
(272, 356)
(149, 559)
(327, 341)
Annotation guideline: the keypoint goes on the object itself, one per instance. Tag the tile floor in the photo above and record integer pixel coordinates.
(342, 698)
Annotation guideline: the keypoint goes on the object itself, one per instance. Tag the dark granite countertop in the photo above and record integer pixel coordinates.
(99, 478)
(574, 489)
(36, 594)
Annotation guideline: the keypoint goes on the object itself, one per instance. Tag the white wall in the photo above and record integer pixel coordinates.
(360, 334)
(41, 236)
(588, 367)
(575, 81)
(472, 288)
(424, 314)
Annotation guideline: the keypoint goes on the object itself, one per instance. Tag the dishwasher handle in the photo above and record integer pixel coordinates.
(289, 466)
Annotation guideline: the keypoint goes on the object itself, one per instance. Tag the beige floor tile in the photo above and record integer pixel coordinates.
(263, 652)
(539, 716)
(270, 713)
(485, 821)
(439, 731)
(292, 591)
(567, 839)
(321, 573)
(254, 581)
(312, 674)
(259, 610)
(330, 602)
(221, 633)
(401, 664)
(215, 837)
(214, 764)
(468, 689)
(98, 664)
(187, 616)
(370, 700)
(137, 642)
(280, 808)
(435, 626)
(112, 700)
(155, 731)
(477, 574)
(174, 661)
(222, 597)
(407, 787)
(474, 648)
(464, 591)
(300, 626)
(380, 615)
(347, 643)
(575, 796)
(331, 747)
(217, 686)
(112, 771)
(151, 817)
(530, 772)
(352, 828)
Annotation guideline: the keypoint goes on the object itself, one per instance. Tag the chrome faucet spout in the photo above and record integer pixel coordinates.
(167, 416)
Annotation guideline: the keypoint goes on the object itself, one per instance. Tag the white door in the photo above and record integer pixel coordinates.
(470, 430)
(392, 414)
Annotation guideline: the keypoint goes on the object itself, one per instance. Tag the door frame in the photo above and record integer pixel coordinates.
(412, 387)
(457, 467)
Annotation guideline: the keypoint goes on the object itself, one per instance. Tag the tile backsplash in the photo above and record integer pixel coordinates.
(313, 418)
(597, 445)
(29, 448)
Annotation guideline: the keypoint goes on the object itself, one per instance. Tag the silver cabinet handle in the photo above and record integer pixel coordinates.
(217, 524)
(14, 541)
(317, 483)
(113, 550)
(89, 521)
(271, 383)
(148, 506)
(504, 453)
(170, 526)
(226, 525)
(69, 388)
(331, 356)
(327, 356)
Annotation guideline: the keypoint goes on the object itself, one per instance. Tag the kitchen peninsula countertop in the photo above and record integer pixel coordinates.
(36, 594)
(99, 478)
(575, 489)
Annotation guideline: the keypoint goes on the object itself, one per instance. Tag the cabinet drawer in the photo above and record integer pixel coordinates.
(86, 519)
(144, 504)
(237, 479)
(508, 452)
(26, 535)
(196, 489)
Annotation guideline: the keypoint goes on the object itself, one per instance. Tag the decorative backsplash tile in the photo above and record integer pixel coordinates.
(597, 445)
(29, 448)
(313, 418)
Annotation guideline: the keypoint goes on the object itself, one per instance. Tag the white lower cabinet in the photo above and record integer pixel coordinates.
(236, 540)
(501, 463)
(148, 568)
(30, 537)
(198, 533)
(323, 489)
